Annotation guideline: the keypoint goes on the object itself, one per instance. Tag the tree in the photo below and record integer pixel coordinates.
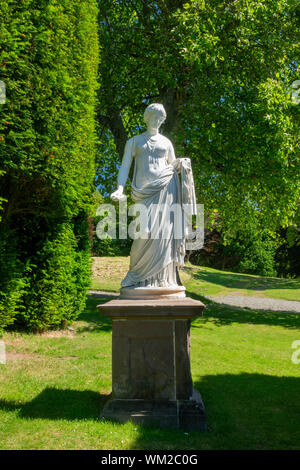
(49, 58)
(223, 71)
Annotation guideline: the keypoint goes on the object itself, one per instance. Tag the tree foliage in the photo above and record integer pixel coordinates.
(223, 71)
(247, 252)
(49, 56)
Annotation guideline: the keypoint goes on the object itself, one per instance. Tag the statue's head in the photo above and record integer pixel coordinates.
(155, 115)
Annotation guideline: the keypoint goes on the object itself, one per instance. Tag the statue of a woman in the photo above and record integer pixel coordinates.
(155, 260)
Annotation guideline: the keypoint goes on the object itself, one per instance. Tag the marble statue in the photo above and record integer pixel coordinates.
(160, 181)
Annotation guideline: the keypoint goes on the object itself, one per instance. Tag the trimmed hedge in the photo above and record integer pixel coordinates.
(57, 290)
(48, 61)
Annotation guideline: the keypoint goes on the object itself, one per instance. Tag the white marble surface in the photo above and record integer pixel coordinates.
(157, 186)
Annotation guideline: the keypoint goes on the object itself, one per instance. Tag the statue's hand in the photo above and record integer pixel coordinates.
(118, 195)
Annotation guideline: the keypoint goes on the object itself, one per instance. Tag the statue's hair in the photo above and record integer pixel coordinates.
(154, 108)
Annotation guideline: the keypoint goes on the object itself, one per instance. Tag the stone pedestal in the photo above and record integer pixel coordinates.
(151, 376)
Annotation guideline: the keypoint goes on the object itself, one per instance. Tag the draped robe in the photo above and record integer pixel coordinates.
(154, 260)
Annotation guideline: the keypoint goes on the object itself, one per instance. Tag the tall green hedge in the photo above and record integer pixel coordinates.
(48, 61)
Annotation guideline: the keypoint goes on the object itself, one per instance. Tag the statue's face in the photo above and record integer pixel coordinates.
(155, 120)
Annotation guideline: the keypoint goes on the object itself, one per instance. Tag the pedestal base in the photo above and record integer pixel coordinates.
(188, 415)
(151, 376)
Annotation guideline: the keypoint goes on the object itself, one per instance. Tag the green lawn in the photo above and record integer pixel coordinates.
(213, 282)
(54, 385)
(108, 272)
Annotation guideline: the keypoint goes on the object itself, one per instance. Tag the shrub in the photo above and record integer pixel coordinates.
(57, 282)
(249, 252)
(12, 280)
(49, 59)
(287, 256)
(257, 254)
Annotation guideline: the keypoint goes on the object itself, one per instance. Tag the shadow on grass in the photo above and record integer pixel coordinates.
(244, 411)
(242, 281)
(53, 403)
(221, 314)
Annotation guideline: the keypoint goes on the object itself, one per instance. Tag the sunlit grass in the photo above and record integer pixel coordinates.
(54, 385)
(213, 282)
(108, 272)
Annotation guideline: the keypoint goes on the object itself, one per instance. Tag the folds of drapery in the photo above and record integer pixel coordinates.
(151, 255)
(188, 197)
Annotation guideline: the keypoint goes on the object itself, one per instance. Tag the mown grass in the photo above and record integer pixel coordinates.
(213, 282)
(53, 386)
(202, 280)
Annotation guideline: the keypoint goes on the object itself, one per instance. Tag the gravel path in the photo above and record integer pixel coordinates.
(261, 303)
(255, 303)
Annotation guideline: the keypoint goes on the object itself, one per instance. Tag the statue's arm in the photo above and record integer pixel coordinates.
(124, 170)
